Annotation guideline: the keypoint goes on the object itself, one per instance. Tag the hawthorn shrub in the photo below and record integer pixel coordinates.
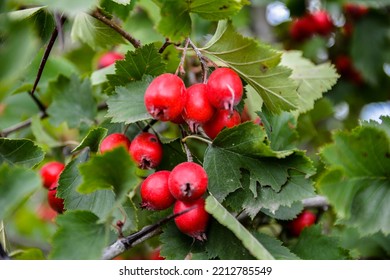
(172, 123)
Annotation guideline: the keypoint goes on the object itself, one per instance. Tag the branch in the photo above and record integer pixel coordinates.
(43, 63)
(99, 16)
(123, 244)
(317, 201)
(202, 60)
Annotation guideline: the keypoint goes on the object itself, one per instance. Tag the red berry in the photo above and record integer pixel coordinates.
(188, 181)
(302, 28)
(220, 120)
(155, 192)
(355, 11)
(146, 150)
(113, 141)
(305, 219)
(224, 88)
(165, 97)
(50, 172)
(155, 255)
(109, 58)
(322, 22)
(55, 202)
(198, 108)
(194, 222)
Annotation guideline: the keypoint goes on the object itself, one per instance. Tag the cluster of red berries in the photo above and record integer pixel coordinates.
(304, 27)
(50, 174)
(208, 105)
(183, 187)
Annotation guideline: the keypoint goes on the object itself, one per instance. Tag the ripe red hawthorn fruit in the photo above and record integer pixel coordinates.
(220, 120)
(188, 181)
(194, 222)
(347, 70)
(305, 219)
(113, 141)
(165, 97)
(323, 24)
(225, 88)
(302, 28)
(109, 58)
(55, 202)
(355, 11)
(146, 150)
(155, 192)
(198, 108)
(50, 172)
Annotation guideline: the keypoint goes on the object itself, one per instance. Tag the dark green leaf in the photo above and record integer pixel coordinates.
(285, 212)
(16, 185)
(22, 152)
(75, 94)
(137, 64)
(326, 247)
(173, 154)
(79, 237)
(127, 105)
(92, 140)
(257, 64)
(275, 247)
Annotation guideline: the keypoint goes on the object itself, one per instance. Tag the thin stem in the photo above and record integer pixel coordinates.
(180, 68)
(202, 60)
(208, 141)
(99, 16)
(187, 150)
(166, 44)
(149, 125)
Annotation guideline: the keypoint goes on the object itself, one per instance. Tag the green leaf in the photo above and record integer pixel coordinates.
(326, 247)
(92, 140)
(127, 105)
(79, 237)
(285, 212)
(113, 170)
(122, 2)
(70, 7)
(16, 185)
(248, 240)
(281, 129)
(41, 136)
(173, 154)
(23, 152)
(75, 94)
(29, 254)
(357, 182)
(216, 9)
(25, 13)
(257, 64)
(243, 147)
(313, 80)
(275, 247)
(93, 32)
(137, 64)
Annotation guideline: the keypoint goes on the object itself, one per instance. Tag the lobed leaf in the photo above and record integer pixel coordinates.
(92, 140)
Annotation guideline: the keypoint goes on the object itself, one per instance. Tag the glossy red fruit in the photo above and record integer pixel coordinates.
(146, 150)
(225, 88)
(109, 58)
(56, 203)
(50, 172)
(355, 11)
(155, 192)
(198, 108)
(347, 70)
(305, 219)
(322, 22)
(165, 97)
(113, 141)
(302, 28)
(188, 181)
(194, 222)
(220, 120)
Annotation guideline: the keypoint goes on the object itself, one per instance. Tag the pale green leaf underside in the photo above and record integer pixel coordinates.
(21, 152)
(257, 64)
(248, 240)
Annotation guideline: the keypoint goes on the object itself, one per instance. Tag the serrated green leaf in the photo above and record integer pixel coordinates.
(72, 93)
(248, 240)
(243, 147)
(175, 22)
(285, 213)
(257, 64)
(92, 140)
(16, 185)
(79, 237)
(275, 247)
(327, 247)
(93, 32)
(127, 105)
(313, 80)
(23, 152)
(357, 182)
(136, 65)
(113, 170)
(216, 9)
